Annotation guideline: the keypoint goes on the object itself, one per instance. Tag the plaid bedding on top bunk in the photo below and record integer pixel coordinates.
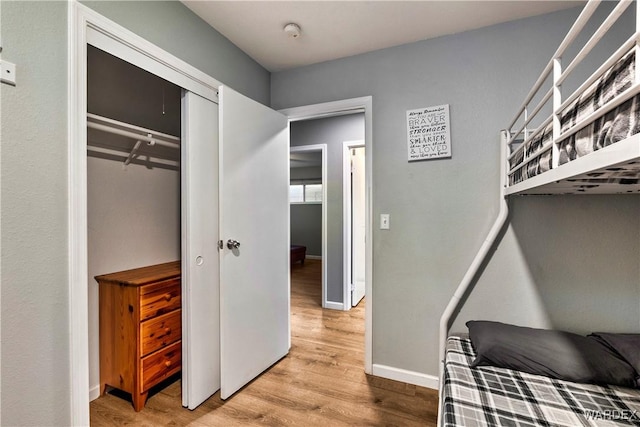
(488, 396)
(616, 125)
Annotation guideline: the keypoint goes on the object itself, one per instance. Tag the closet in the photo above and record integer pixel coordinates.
(219, 204)
(133, 188)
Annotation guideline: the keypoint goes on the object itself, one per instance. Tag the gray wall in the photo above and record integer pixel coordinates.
(441, 210)
(306, 219)
(331, 131)
(33, 183)
(306, 227)
(33, 217)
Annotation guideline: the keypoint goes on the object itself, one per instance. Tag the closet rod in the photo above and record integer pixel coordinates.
(138, 133)
(117, 153)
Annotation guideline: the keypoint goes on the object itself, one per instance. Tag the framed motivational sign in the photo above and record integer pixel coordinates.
(428, 133)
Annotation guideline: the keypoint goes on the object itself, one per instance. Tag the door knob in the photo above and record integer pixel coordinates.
(233, 244)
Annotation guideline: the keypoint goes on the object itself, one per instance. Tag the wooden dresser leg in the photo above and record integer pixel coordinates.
(139, 400)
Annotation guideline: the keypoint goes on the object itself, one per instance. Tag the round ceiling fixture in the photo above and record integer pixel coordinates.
(292, 30)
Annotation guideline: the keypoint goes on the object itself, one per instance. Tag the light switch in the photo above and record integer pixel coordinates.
(8, 73)
(384, 221)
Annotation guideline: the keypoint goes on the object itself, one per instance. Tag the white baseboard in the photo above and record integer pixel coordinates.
(94, 392)
(313, 257)
(334, 305)
(409, 377)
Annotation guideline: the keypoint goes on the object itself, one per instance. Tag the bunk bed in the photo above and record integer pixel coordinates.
(588, 144)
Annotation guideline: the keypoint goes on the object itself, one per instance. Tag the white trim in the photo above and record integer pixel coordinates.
(332, 305)
(323, 150)
(346, 216)
(335, 108)
(94, 393)
(409, 377)
(318, 257)
(77, 217)
(116, 40)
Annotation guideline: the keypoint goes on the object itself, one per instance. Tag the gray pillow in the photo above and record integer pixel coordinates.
(556, 354)
(626, 345)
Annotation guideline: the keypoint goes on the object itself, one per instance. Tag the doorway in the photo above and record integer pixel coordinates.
(308, 208)
(364, 106)
(133, 179)
(354, 221)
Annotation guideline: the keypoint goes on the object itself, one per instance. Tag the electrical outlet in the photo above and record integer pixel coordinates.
(384, 221)
(8, 74)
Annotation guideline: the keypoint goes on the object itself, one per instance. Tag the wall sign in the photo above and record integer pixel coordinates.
(428, 133)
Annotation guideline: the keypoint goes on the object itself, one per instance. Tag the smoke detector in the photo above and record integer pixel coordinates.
(292, 30)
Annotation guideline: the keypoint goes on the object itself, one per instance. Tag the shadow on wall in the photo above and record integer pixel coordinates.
(582, 253)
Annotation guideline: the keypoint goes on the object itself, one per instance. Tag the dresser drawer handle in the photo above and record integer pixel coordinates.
(167, 297)
(167, 331)
(167, 363)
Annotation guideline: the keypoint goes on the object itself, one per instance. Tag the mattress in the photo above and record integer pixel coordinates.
(615, 125)
(488, 396)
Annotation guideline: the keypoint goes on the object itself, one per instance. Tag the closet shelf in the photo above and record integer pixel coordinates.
(115, 140)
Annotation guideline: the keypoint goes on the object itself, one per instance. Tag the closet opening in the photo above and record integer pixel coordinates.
(133, 222)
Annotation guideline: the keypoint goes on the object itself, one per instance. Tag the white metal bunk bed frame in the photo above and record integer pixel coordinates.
(617, 153)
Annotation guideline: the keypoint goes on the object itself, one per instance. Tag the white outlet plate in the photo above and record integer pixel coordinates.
(8, 73)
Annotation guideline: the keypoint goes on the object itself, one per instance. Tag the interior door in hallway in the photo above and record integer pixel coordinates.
(358, 225)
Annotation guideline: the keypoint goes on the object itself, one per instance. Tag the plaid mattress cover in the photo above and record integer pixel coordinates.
(618, 124)
(488, 396)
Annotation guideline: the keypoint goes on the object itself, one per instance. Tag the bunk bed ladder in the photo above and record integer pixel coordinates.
(482, 255)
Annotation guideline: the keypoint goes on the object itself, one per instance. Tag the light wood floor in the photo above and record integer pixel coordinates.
(320, 383)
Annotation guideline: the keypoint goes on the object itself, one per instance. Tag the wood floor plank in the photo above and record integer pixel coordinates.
(321, 382)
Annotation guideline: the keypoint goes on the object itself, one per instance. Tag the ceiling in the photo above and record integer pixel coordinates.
(337, 29)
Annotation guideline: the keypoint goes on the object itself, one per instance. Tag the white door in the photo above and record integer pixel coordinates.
(254, 217)
(200, 258)
(358, 225)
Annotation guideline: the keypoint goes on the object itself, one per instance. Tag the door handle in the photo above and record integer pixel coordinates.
(233, 244)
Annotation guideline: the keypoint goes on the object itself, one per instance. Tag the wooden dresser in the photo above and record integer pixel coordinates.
(140, 329)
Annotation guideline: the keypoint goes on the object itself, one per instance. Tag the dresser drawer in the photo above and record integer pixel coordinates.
(161, 365)
(160, 331)
(159, 298)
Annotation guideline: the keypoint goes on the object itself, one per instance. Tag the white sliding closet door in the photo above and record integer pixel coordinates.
(200, 256)
(254, 201)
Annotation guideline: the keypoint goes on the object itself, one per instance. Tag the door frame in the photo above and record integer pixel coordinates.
(323, 149)
(338, 108)
(84, 24)
(346, 217)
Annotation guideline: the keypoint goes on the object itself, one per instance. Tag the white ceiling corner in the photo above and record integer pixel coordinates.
(338, 29)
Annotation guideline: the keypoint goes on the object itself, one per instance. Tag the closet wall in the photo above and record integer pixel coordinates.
(133, 211)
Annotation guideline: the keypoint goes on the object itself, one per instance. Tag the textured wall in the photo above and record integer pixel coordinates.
(35, 326)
